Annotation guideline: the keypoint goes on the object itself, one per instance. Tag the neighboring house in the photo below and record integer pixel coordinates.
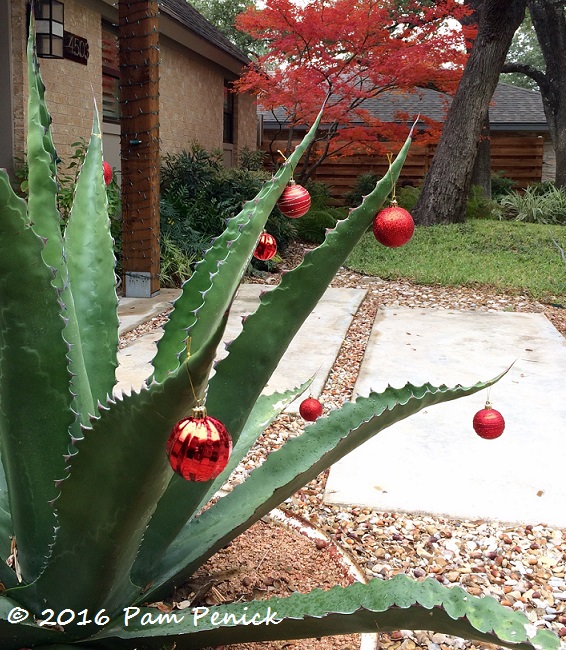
(520, 142)
(197, 66)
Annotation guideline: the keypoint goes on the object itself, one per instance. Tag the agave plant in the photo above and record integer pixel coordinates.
(93, 522)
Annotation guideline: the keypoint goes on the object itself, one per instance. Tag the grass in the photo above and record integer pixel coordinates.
(520, 258)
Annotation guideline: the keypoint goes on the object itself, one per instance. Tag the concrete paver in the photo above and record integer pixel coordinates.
(433, 462)
(312, 352)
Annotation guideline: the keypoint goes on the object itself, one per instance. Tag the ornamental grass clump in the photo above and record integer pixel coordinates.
(94, 524)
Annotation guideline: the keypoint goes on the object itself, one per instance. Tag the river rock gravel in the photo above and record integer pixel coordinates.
(522, 566)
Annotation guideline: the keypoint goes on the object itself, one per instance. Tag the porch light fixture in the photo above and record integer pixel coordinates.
(49, 28)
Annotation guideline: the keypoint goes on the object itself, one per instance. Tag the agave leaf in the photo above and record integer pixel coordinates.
(381, 605)
(34, 432)
(286, 470)
(42, 168)
(45, 219)
(210, 289)
(256, 352)
(117, 475)
(158, 535)
(25, 634)
(90, 262)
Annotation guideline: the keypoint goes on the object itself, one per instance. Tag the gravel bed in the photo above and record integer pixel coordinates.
(523, 567)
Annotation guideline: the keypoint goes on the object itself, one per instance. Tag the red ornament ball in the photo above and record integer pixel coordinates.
(295, 201)
(393, 226)
(310, 409)
(488, 423)
(199, 447)
(106, 172)
(266, 247)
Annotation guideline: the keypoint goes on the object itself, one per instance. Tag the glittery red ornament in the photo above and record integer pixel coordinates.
(107, 172)
(199, 447)
(266, 247)
(310, 409)
(488, 423)
(393, 226)
(295, 201)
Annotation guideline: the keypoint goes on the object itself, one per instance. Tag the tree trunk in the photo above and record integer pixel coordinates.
(550, 26)
(481, 172)
(447, 184)
(139, 122)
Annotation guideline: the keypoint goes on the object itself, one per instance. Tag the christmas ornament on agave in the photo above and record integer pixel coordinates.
(199, 447)
(393, 226)
(106, 172)
(488, 423)
(310, 409)
(295, 201)
(266, 247)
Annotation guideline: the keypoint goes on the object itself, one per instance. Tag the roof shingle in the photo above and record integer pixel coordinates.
(186, 14)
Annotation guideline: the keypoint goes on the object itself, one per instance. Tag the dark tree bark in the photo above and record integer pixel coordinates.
(549, 22)
(481, 172)
(447, 184)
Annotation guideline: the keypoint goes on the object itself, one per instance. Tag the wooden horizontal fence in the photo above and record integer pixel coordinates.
(516, 156)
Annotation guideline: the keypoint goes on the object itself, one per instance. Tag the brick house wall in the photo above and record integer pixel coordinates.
(69, 85)
(191, 89)
(191, 92)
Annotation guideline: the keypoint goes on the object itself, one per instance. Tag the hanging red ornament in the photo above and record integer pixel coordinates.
(295, 201)
(310, 409)
(106, 172)
(266, 247)
(199, 447)
(488, 423)
(393, 226)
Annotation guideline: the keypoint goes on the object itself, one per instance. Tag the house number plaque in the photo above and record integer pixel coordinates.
(75, 48)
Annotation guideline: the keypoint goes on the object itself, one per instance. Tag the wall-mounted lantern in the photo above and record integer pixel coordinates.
(49, 28)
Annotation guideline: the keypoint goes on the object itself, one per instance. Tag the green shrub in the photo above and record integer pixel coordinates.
(198, 197)
(535, 205)
(479, 206)
(501, 185)
(191, 170)
(320, 194)
(175, 266)
(251, 159)
(313, 225)
(362, 187)
(408, 196)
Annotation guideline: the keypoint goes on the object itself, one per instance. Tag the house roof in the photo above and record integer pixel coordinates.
(188, 16)
(512, 108)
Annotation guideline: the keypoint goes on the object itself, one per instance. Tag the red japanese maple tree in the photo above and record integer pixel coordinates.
(350, 50)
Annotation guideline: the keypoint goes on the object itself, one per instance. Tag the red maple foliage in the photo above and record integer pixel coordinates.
(351, 50)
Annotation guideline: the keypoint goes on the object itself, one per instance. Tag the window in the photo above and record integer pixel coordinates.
(228, 114)
(110, 74)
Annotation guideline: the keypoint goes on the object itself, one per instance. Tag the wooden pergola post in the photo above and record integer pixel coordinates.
(139, 100)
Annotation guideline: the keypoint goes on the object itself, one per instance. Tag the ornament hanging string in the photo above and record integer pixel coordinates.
(390, 161)
(199, 400)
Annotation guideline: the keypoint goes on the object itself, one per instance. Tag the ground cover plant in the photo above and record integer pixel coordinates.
(93, 522)
(508, 256)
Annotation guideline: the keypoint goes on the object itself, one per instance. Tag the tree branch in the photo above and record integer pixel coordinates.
(529, 71)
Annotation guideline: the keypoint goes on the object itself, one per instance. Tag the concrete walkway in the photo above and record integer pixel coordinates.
(311, 354)
(433, 462)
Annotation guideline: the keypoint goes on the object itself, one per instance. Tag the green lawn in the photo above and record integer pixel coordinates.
(509, 256)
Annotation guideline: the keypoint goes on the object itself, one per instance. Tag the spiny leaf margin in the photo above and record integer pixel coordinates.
(379, 606)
